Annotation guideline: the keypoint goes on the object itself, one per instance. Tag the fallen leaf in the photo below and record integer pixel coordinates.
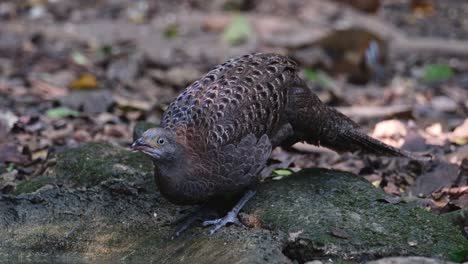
(319, 77)
(441, 201)
(250, 220)
(370, 112)
(391, 188)
(437, 73)
(132, 104)
(283, 172)
(434, 129)
(215, 23)
(46, 90)
(40, 154)
(422, 8)
(8, 119)
(171, 31)
(9, 153)
(461, 202)
(81, 135)
(238, 30)
(455, 190)
(436, 175)
(177, 76)
(79, 58)
(458, 155)
(414, 142)
(84, 82)
(392, 132)
(61, 112)
(460, 134)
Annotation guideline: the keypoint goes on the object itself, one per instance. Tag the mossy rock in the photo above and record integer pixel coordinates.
(32, 185)
(315, 214)
(92, 163)
(339, 215)
(106, 224)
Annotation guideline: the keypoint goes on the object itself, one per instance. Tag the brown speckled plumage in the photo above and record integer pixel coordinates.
(241, 96)
(221, 129)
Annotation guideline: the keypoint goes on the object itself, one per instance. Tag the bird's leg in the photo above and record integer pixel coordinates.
(200, 214)
(231, 216)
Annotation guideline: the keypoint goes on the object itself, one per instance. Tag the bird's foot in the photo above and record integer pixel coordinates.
(231, 216)
(185, 222)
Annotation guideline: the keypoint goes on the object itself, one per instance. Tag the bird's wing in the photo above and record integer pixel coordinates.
(235, 166)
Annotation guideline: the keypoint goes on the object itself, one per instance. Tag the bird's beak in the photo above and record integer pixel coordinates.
(140, 145)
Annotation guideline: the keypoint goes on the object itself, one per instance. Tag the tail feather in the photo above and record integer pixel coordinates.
(319, 124)
(357, 140)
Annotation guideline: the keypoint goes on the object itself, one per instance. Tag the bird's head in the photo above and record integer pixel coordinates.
(157, 143)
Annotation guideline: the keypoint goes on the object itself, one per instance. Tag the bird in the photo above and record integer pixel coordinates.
(355, 52)
(215, 138)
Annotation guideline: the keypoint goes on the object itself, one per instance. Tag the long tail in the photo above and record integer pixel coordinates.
(321, 125)
(360, 141)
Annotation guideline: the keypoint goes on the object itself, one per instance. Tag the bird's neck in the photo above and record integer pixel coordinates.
(171, 178)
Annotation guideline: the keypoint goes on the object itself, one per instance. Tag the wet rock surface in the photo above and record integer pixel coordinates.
(92, 210)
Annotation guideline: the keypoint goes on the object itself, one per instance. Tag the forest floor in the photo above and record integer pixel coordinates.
(73, 72)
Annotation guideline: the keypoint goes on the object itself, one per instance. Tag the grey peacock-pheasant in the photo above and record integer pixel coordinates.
(217, 135)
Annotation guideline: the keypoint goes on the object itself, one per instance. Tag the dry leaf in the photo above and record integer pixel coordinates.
(47, 91)
(129, 103)
(10, 153)
(422, 8)
(436, 175)
(460, 134)
(391, 188)
(40, 154)
(215, 23)
(84, 82)
(250, 220)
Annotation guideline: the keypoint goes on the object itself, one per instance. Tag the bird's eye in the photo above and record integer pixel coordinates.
(161, 141)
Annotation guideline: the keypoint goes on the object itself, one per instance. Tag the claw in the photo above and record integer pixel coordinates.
(231, 217)
(187, 221)
(204, 213)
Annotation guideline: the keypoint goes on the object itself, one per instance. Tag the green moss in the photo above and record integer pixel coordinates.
(93, 163)
(308, 206)
(314, 202)
(32, 185)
